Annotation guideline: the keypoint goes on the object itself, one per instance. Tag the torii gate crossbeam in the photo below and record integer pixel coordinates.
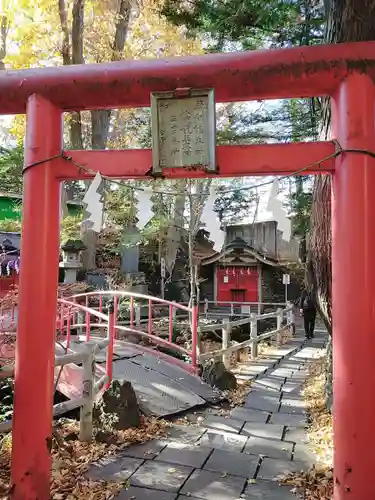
(346, 73)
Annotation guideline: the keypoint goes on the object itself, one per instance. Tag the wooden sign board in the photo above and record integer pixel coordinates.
(183, 130)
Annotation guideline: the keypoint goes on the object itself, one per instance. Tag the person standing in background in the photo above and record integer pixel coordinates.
(307, 308)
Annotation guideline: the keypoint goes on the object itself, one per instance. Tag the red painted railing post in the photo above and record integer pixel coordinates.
(88, 325)
(194, 335)
(37, 306)
(61, 325)
(68, 327)
(115, 311)
(110, 348)
(100, 306)
(150, 316)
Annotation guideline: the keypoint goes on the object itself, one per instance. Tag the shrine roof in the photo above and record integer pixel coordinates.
(238, 244)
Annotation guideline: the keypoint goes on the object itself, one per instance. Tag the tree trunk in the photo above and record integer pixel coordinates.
(346, 21)
(72, 52)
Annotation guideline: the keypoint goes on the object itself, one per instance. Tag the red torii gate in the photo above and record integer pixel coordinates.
(345, 72)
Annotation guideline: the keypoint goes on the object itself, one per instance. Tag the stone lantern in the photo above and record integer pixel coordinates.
(71, 253)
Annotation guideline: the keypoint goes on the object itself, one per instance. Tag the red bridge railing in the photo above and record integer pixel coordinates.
(75, 315)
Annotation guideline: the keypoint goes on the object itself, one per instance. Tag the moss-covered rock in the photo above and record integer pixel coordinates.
(216, 375)
(118, 408)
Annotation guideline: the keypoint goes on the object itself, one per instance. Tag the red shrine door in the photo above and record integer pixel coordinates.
(237, 284)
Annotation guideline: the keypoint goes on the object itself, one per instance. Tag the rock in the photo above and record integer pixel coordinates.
(117, 409)
(216, 375)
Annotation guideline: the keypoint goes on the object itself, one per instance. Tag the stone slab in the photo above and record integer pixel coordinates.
(236, 464)
(182, 454)
(223, 424)
(295, 435)
(283, 372)
(147, 450)
(272, 468)
(294, 409)
(292, 365)
(160, 476)
(248, 415)
(268, 382)
(291, 387)
(294, 398)
(185, 434)
(115, 468)
(303, 453)
(273, 448)
(257, 401)
(251, 370)
(223, 440)
(288, 419)
(134, 493)
(269, 431)
(207, 485)
(267, 490)
(264, 391)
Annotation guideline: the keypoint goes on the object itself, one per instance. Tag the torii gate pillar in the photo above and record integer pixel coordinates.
(36, 331)
(353, 294)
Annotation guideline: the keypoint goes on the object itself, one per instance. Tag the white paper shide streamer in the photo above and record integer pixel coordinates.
(144, 208)
(93, 203)
(210, 220)
(279, 214)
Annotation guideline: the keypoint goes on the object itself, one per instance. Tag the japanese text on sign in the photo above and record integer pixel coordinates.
(183, 130)
(183, 124)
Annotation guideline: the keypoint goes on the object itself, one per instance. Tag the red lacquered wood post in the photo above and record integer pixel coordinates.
(37, 309)
(353, 295)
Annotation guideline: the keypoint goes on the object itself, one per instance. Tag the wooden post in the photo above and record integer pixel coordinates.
(110, 348)
(260, 288)
(88, 379)
(80, 320)
(225, 332)
(199, 342)
(279, 325)
(88, 326)
(205, 306)
(137, 315)
(291, 319)
(254, 335)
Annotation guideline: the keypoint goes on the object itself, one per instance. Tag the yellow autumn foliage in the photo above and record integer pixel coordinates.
(35, 38)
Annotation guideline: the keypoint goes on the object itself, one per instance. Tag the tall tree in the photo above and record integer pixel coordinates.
(346, 21)
(11, 165)
(95, 31)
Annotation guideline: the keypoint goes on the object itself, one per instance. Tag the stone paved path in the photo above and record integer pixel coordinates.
(229, 458)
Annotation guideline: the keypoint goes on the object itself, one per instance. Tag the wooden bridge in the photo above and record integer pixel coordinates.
(94, 347)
